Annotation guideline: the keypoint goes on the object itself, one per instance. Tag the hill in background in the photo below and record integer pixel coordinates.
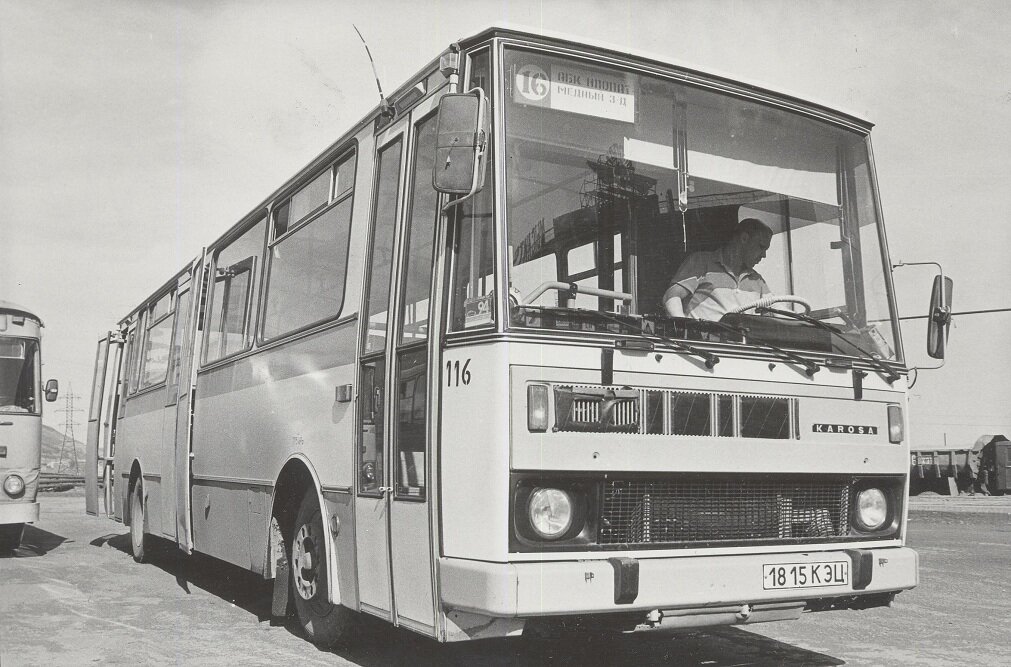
(52, 443)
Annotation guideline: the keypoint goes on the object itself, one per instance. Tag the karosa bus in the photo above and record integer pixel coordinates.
(20, 420)
(428, 378)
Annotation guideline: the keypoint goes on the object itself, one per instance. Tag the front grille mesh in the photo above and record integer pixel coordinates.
(691, 511)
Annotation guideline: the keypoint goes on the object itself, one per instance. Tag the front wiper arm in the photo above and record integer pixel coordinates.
(810, 368)
(882, 367)
(710, 359)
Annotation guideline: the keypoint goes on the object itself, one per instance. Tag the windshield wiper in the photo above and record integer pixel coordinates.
(710, 359)
(886, 370)
(810, 368)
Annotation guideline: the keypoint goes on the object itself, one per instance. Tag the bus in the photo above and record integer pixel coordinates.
(21, 395)
(431, 377)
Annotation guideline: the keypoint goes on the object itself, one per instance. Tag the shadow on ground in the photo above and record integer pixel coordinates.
(35, 542)
(240, 587)
(379, 644)
(375, 643)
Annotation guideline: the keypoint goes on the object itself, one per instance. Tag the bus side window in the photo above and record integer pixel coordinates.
(307, 267)
(233, 294)
(157, 338)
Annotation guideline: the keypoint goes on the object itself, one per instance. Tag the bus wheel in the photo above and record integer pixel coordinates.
(324, 623)
(10, 536)
(138, 538)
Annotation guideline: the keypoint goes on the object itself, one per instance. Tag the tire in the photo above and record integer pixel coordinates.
(323, 622)
(10, 536)
(138, 523)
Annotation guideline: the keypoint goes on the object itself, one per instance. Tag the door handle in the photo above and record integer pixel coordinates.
(6, 423)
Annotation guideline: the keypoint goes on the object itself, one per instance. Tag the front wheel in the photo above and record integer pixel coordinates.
(138, 537)
(324, 622)
(10, 536)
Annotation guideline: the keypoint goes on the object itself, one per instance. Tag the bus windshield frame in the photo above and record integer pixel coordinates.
(613, 176)
(20, 383)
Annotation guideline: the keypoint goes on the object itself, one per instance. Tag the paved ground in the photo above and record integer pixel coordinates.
(73, 596)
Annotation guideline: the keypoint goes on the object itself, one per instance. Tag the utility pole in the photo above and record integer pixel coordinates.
(68, 431)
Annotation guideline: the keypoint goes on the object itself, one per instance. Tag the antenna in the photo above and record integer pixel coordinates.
(385, 108)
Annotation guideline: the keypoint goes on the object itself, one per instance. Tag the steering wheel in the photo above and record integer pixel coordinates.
(774, 298)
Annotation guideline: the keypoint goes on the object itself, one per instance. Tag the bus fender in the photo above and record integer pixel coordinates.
(275, 545)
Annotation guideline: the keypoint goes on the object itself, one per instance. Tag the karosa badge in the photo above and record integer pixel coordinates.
(848, 429)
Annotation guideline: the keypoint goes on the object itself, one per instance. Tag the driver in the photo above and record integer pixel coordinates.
(709, 284)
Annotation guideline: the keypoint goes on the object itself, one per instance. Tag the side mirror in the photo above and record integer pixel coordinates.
(939, 316)
(52, 390)
(461, 143)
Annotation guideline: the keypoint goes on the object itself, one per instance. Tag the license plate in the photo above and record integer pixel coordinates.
(926, 460)
(805, 575)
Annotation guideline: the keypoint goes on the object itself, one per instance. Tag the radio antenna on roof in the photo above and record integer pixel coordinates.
(385, 108)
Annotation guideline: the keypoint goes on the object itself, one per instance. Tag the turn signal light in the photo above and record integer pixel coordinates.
(537, 408)
(896, 431)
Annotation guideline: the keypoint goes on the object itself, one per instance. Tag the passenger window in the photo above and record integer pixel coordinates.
(134, 345)
(382, 246)
(412, 423)
(180, 343)
(157, 338)
(233, 294)
(420, 239)
(308, 268)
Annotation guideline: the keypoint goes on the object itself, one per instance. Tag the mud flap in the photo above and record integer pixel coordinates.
(282, 585)
(280, 604)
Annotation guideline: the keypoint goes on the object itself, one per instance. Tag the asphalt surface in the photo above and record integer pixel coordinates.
(72, 595)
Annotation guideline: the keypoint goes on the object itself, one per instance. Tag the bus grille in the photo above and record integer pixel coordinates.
(696, 512)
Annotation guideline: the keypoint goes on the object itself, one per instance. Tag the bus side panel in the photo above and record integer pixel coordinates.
(474, 452)
(138, 437)
(251, 416)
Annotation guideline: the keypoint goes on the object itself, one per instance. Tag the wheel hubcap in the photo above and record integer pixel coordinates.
(306, 562)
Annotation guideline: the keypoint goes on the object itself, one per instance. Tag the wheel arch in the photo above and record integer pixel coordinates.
(296, 477)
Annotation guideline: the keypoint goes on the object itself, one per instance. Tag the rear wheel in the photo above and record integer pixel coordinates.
(324, 623)
(10, 536)
(138, 536)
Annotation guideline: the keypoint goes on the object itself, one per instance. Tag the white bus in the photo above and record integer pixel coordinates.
(430, 377)
(20, 420)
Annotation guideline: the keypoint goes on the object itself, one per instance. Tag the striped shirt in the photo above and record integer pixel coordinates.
(715, 290)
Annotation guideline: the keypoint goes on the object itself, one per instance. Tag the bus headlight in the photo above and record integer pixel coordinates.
(14, 485)
(550, 512)
(872, 509)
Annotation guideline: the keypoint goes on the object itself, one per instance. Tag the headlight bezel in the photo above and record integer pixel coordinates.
(890, 492)
(581, 529)
(18, 493)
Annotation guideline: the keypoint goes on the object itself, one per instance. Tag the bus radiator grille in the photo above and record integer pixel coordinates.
(689, 511)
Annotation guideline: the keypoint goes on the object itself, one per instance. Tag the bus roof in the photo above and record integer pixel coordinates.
(525, 32)
(8, 307)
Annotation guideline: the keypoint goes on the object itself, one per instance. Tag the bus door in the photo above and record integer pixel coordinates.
(182, 383)
(393, 507)
(102, 416)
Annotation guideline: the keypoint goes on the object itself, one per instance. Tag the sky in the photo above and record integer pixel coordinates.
(134, 133)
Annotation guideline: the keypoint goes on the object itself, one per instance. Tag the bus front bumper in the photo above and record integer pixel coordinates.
(558, 588)
(19, 512)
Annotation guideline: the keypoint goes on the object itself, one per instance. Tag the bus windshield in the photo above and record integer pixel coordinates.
(19, 375)
(614, 179)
